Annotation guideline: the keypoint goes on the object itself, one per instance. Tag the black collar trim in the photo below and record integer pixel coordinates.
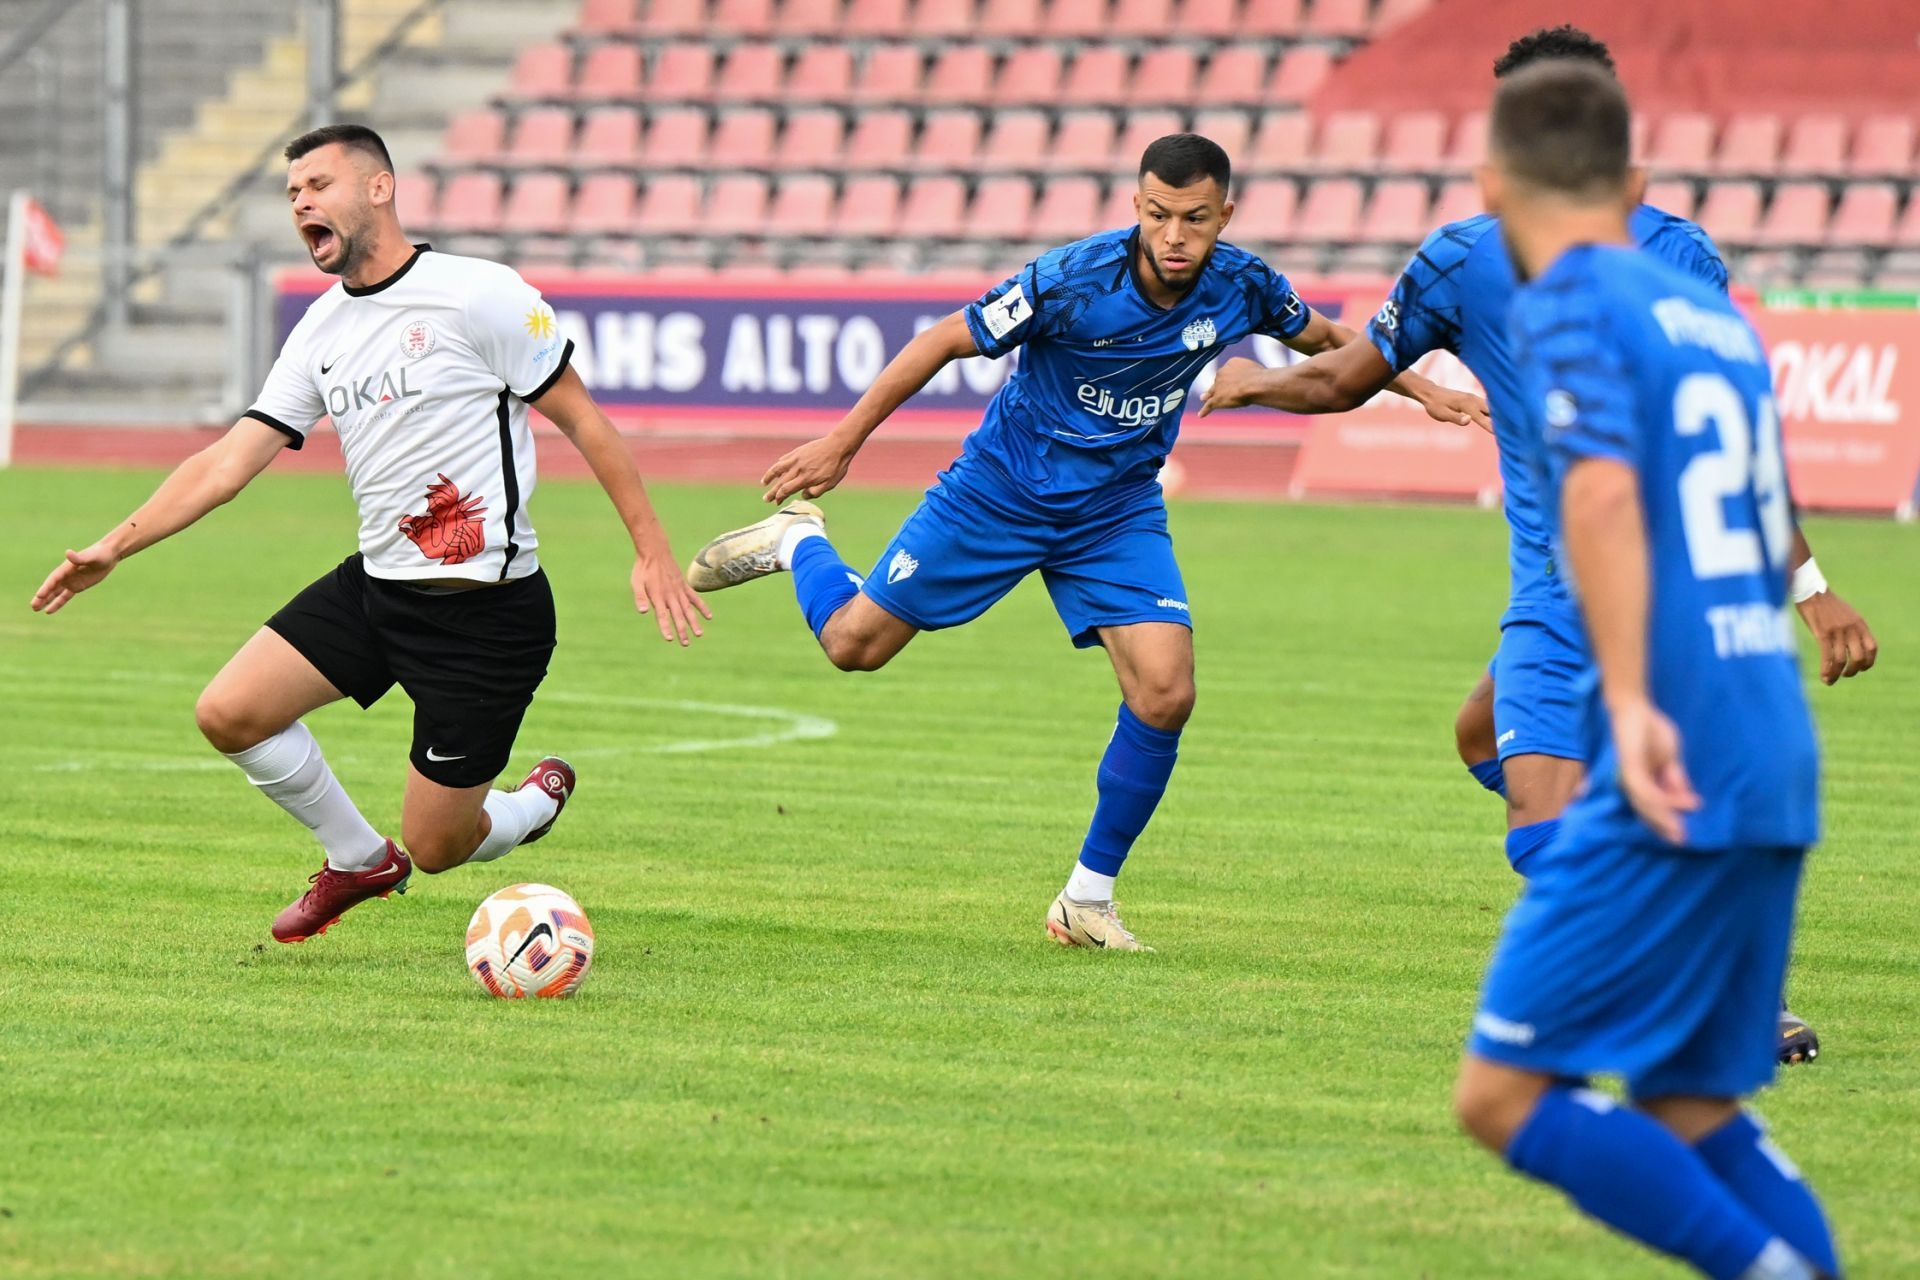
(391, 280)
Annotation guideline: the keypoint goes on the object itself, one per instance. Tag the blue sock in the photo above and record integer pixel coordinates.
(1133, 776)
(1626, 1169)
(1490, 775)
(1524, 842)
(822, 582)
(1756, 1171)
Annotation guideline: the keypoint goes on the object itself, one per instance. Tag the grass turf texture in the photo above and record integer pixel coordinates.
(824, 1035)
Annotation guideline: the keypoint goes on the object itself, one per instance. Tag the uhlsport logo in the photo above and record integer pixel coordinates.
(901, 567)
(417, 340)
(1199, 334)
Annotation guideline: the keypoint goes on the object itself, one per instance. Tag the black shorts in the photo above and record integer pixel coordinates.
(470, 660)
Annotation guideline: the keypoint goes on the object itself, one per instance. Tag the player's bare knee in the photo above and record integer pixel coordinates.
(1166, 705)
(226, 725)
(1481, 1108)
(854, 652)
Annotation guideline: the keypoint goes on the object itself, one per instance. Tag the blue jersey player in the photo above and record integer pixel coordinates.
(1651, 940)
(1061, 478)
(1519, 730)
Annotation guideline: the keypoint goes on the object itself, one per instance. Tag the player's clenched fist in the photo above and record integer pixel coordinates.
(1234, 385)
(811, 470)
(81, 570)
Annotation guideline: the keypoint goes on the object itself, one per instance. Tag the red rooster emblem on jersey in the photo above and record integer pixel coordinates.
(453, 530)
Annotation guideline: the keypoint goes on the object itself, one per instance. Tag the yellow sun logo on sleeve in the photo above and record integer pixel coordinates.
(540, 322)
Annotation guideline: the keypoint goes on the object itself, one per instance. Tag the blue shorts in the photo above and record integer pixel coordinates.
(1540, 676)
(1626, 957)
(961, 551)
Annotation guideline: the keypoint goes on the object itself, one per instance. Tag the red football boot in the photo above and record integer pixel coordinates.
(335, 893)
(555, 777)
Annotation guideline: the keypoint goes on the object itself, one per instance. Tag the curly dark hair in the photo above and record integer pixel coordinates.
(1564, 41)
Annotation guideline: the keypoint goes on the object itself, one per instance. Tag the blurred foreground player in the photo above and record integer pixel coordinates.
(426, 363)
(1061, 478)
(1652, 937)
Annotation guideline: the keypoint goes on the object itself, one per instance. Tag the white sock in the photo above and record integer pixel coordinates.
(290, 770)
(797, 532)
(1089, 886)
(514, 813)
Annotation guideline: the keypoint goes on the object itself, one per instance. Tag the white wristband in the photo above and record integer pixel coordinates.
(1807, 582)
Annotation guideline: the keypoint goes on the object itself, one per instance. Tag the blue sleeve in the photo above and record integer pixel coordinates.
(1687, 246)
(1008, 314)
(1282, 313)
(1587, 405)
(1423, 312)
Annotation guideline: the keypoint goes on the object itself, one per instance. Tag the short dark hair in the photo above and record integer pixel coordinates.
(1563, 126)
(354, 137)
(1564, 41)
(1182, 159)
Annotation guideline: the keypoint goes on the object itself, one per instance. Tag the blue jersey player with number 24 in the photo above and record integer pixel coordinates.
(1062, 478)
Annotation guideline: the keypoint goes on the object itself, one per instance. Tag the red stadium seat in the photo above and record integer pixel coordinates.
(944, 19)
(1750, 144)
(604, 205)
(736, 206)
(811, 18)
(1002, 209)
(1797, 216)
(543, 71)
(949, 140)
(741, 18)
(1394, 12)
(1231, 129)
(470, 203)
(416, 196)
(671, 204)
(1469, 143)
(1906, 234)
(609, 137)
(751, 73)
(1673, 196)
(677, 139)
(1142, 128)
(1816, 144)
(682, 73)
(1301, 70)
(822, 73)
(475, 136)
(1075, 19)
(1416, 142)
(1211, 19)
(541, 136)
(876, 19)
(1018, 140)
(609, 17)
(1069, 209)
(1164, 76)
(1731, 212)
(1264, 212)
(1458, 201)
(1338, 19)
(1397, 214)
(1865, 216)
(1882, 148)
(744, 140)
(1683, 143)
(803, 207)
(1235, 74)
(1270, 19)
(675, 18)
(1098, 75)
(964, 73)
(1118, 209)
(1281, 143)
(611, 72)
(538, 205)
(1141, 19)
(935, 209)
(1349, 141)
(1010, 19)
(870, 207)
(1085, 141)
(1331, 212)
(891, 73)
(811, 140)
(881, 140)
(1030, 75)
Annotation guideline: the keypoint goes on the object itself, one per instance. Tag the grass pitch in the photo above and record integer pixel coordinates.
(824, 1035)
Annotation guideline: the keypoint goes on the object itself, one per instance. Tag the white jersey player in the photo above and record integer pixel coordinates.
(426, 364)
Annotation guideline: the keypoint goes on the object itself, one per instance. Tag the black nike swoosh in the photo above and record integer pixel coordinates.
(542, 927)
(325, 369)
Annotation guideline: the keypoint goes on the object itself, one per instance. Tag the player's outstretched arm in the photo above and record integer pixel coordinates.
(1847, 645)
(1344, 372)
(658, 586)
(819, 465)
(210, 478)
(1606, 540)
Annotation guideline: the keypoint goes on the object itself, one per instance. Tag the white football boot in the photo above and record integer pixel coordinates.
(1072, 923)
(749, 553)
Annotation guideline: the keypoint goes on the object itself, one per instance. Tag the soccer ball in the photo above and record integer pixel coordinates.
(529, 940)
